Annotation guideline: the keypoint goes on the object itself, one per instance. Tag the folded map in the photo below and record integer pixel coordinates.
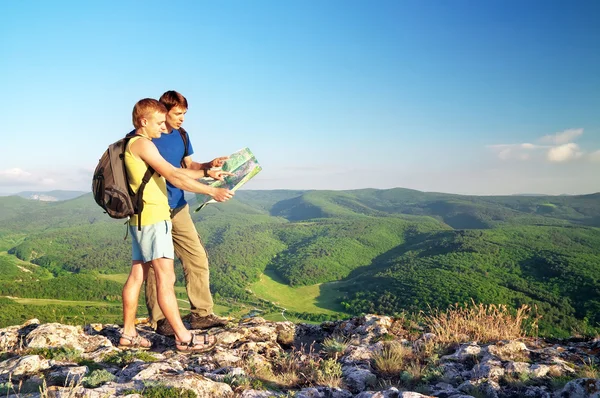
(242, 164)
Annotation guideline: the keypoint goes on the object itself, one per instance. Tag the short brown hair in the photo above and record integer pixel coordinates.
(143, 108)
(171, 99)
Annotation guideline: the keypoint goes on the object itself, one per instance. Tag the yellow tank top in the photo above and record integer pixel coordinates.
(156, 203)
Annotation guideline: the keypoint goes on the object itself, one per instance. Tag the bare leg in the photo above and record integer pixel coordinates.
(131, 292)
(165, 282)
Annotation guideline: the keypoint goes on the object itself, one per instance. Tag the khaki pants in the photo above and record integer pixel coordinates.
(192, 254)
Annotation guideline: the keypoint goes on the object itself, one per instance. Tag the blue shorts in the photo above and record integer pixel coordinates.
(152, 242)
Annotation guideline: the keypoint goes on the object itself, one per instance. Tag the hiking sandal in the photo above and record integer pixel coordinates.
(136, 342)
(196, 344)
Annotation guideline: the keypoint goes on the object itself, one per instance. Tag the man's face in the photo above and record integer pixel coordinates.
(175, 117)
(155, 125)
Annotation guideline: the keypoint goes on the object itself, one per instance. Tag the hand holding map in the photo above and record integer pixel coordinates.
(242, 165)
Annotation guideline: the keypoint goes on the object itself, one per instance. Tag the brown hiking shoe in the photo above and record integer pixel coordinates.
(164, 327)
(205, 322)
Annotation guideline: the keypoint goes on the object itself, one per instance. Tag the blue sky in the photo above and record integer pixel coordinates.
(473, 97)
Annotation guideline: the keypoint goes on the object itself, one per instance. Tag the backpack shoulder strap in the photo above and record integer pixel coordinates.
(140, 194)
(186, 141)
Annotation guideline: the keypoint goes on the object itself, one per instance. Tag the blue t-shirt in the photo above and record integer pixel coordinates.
(171, 148)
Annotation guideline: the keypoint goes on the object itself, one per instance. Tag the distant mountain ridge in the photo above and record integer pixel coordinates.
(57, 195)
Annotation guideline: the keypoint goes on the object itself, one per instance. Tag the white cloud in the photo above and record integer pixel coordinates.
(564, 153)
(564, 137)
(16, 177)
(529, 146)
(558, 148)
(14, 174)
(594, 156)
(515, 151)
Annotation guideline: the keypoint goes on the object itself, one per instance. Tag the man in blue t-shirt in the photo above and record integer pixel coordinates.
(186, 240)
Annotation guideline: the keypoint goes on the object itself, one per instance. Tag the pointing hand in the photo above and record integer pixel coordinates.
(218, 174)
(218, 162)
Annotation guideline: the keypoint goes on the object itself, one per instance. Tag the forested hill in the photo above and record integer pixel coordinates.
(387, 250)
(458, 211)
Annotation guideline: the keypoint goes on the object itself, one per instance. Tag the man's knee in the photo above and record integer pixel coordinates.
(166, 279)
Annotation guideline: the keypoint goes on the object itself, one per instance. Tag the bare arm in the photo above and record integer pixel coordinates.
(191, 165)
(216, 162)
(214, 174)
(192, 173)
(147, 151)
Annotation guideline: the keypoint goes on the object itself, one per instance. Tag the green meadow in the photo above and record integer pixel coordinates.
(316, 299)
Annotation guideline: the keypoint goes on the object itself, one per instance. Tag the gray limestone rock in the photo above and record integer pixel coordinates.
(68, 374)
(489, 369)
(19, 367)
(463, 352)
(256, 345)
(53, 335)
(358, 379)
(260, 394)
(581, 388)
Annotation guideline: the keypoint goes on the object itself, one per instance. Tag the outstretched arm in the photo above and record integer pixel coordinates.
(214, 174)
(147, 151)
(216, 162)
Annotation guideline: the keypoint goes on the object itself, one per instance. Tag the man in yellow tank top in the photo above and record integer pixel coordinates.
(152, 247)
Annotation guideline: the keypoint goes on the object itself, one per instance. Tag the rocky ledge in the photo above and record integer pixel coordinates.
(368, 356)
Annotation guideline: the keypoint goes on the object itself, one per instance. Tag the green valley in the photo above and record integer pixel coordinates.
(326, 254)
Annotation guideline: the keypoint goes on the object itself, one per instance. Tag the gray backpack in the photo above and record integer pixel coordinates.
(110, 185)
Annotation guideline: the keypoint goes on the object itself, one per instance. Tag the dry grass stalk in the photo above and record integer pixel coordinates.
(329, 373)
(297, 369)
(335, 346)
(589, 369)
(477, 322)
(392, 358)
(73, 388)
